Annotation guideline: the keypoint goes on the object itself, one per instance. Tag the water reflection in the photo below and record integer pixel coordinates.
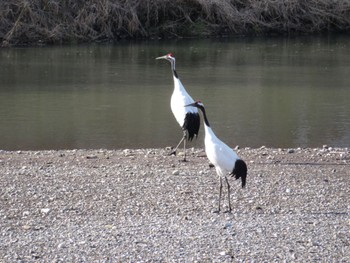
(273, 92)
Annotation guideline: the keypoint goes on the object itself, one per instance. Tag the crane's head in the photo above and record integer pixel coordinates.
(170, 57)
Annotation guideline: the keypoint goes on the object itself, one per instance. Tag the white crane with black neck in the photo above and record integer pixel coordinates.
(224, 158)
(187, 117)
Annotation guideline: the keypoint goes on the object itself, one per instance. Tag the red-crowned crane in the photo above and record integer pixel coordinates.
(224, 158)
(187, 117)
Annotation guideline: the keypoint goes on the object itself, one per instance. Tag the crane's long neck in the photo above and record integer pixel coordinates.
(209, 134)
(205, 117)
(173, 68)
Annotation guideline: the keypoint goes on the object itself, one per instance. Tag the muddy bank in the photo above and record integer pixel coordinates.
(143, 205)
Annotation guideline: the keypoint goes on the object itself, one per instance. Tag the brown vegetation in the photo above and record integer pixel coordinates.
(57, 21)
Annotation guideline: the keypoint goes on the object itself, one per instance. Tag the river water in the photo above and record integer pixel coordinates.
(277, 92)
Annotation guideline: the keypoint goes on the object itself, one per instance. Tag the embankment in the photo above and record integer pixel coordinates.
(52, 21)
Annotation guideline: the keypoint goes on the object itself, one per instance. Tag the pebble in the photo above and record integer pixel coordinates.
(26, 227)
(25, 213)
(45, 210)
(61, 245)
(228, 225)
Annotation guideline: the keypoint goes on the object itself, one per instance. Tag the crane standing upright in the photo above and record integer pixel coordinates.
(187, 117)
(224, 158)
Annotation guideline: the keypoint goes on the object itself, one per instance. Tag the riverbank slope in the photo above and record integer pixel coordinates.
(36, 22)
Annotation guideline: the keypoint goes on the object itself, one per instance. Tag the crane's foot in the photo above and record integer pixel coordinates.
(180, 154)
(226, 212)
(172, 153)
(184, 160)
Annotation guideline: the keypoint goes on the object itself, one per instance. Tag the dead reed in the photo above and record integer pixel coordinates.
(59, 21)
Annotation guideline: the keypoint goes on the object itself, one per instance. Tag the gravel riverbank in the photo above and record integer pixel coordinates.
(145, 206)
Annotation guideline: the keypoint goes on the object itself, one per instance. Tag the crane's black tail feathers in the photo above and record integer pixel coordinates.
(191, 124)
(240, 171)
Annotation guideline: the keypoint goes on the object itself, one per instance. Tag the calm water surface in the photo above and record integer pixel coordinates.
(274, 92)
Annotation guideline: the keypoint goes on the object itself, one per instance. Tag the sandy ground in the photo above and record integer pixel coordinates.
(145, 206)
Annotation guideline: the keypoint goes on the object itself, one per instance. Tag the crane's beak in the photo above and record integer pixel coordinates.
(162, 57)
(191, 105)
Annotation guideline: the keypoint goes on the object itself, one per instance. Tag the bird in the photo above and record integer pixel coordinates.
(224, 158)
(187, 117)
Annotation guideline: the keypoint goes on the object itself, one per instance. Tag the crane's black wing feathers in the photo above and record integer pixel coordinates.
(191, 124)
(240, 171)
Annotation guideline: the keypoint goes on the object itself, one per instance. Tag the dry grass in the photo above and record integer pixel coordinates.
(57, 21)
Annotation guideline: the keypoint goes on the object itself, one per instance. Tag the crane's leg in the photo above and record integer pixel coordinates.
(184, 146)
(220, 192)
(183, 139)
(174, 151)
(228, 193)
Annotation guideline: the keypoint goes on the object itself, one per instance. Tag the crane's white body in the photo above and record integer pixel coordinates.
(224, 158)
(179, 99)
(188, 118)
(219, 154)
